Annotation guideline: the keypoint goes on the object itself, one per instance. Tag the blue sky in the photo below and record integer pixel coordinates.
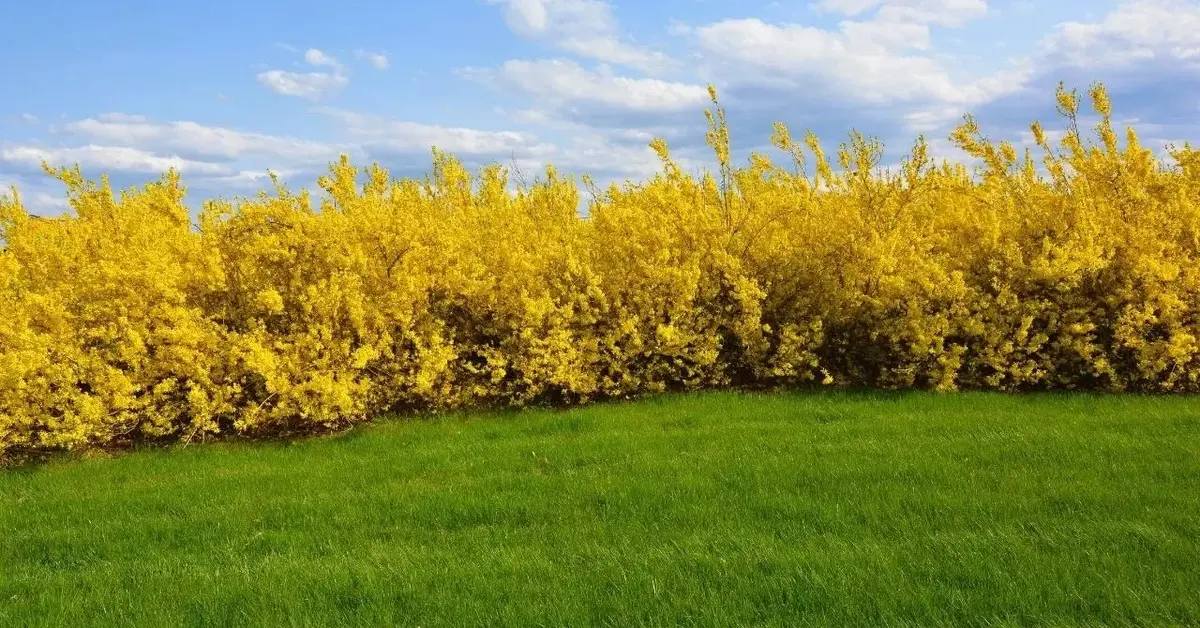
(225, 91)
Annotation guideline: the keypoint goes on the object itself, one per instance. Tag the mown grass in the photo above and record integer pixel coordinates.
(716, 509)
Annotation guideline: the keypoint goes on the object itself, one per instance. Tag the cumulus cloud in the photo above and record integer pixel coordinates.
(861, 61)
(307, 85)
(883, 65)
(882, 69)
(880, 59)
(586, 28)
(1147, 53)
(1136, 31)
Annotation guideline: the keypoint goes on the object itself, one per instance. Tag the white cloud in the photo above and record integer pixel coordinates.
(931, 118)
(583, 27)
(1135, 31)
(378, 60)
(861, 62)
(40, 197)
(527, 17)
(319, 59)
(562, 83)
(610, 162)
(29, 118)
(307, 85)
(412, 137)
(46, 204)
(310, 85)
(1145, 36)
(107, 158)
(194, 138)
(941, 12)
(589, 150)
(938, 115)
(883, 36)
(117, 117)
(251, 179)
(609, 155)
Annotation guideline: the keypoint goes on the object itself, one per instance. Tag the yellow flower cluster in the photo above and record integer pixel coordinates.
(126, 321)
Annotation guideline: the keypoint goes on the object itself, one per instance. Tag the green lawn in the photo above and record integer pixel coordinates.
(715, 509)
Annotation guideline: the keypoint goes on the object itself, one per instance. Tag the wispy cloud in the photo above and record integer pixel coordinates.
(383, 134)
(194, 139)
(378, 60)
(108, 158)
(563, 83)
(319, 59)
(941, 12)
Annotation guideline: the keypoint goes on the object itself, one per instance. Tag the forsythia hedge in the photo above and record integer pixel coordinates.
(127, 321)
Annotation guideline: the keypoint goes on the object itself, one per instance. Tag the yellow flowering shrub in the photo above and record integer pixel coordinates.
(126, 320)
